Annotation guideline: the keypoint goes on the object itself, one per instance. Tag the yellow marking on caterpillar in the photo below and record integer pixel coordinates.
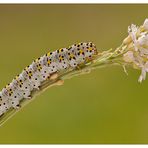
(49, 53)
(61, 58)
(49, 62)
(81, 51)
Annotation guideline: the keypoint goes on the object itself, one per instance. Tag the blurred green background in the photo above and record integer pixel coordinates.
(105, 106)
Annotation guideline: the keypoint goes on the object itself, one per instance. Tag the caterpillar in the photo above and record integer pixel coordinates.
(41, 70)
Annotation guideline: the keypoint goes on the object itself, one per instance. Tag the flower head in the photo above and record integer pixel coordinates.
(137, 52)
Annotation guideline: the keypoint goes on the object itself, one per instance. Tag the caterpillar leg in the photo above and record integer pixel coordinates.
(86, 71)
(15, 104)
(29, 97)
(59, 82)
(54, 76)
(78, 67)
(38, 88)
(18, 106)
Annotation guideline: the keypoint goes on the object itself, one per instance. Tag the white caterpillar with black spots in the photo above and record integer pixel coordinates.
(41, 69)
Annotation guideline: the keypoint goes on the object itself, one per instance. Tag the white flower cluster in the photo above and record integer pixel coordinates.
(137, 53)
